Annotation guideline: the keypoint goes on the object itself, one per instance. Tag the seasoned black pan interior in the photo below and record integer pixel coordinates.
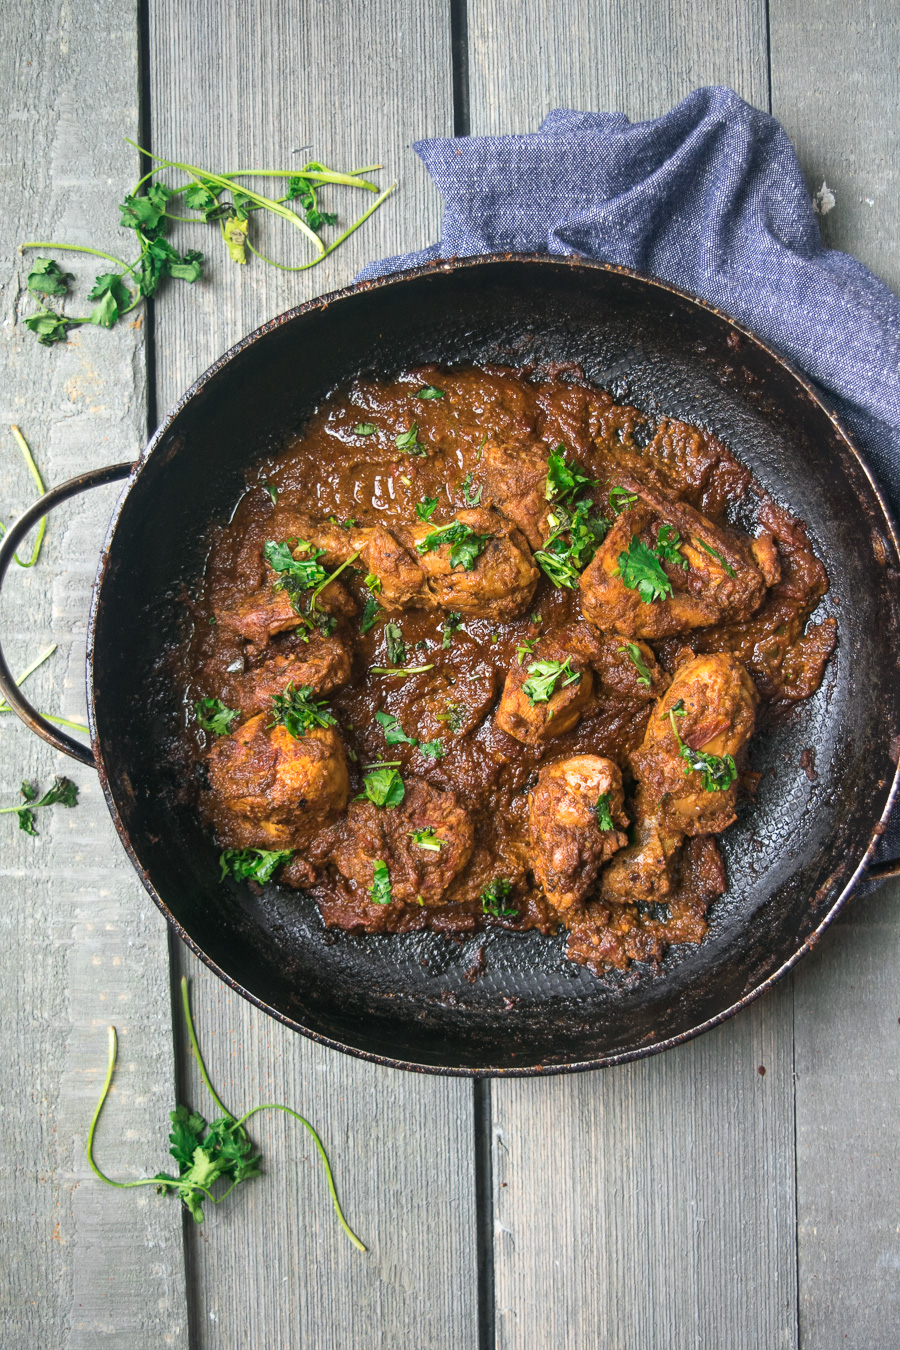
(790, 856)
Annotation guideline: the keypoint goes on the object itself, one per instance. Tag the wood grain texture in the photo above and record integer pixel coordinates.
(357, 82)
(526, 56)
(836, 88)
(82, 1266)
(652, 1205)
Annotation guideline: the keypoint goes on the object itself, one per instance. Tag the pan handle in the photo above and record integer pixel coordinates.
(13, 537)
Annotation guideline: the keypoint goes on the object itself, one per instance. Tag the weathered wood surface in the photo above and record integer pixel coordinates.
(82, 945)
(356, 83)
(663, 1213)
(687, 1200)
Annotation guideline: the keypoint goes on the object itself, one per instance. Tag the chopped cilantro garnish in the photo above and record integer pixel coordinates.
(451, 623)
(62, 791)
(427, 839)
(640, 570)
(432, 749)
(620, 499)
(396, 647)
(373, 582)
(471, 494)
(212, 715)
(668, 546)
(369, 614)
(542, 678)
(252, 864)
(272, 491)
(466, 545)
(718, 771)
(493, 896)
(426, 507)
(365, 429)
(564, 480)
(430, 391)
(604, 818)
(393, 732)
(574, 539)
(526, 649)
(380, 891)
(408, 441)
(295, 574)
(297, 712)
(715, 554)
(383, 787)
(633, 652)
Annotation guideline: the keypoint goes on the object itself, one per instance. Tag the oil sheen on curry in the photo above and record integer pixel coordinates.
(481, 647)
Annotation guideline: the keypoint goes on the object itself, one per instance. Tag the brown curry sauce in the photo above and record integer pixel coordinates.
(330, 471)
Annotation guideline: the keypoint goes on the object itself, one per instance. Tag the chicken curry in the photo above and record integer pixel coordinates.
(483, 647)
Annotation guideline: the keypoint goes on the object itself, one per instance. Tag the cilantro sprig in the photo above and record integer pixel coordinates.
(543, 676)
(297, 711)
(575, 536)
(62, 792)
(466, 547)
(252, 864)
(206, 1153)
(564, 479)
(383, 787)
(212, 715)
(213, 198)
(717, 772)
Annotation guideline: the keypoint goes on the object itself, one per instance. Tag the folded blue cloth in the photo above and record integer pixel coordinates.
(710, 197)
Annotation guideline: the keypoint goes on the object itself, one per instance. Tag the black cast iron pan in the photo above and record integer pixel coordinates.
(793, 857)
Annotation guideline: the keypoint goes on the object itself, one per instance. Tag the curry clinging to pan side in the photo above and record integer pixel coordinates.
(482, 647)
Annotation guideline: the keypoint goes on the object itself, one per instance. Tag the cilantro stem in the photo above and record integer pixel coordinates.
(110, 1069)
(186, 1004)
(401, 670)
(322, 584)
(35, 473)
(302, 267)
(272, 1106)
(76, 248)
(316, 175)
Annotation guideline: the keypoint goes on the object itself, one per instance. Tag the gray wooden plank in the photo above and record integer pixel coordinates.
(358, 81)
(651, 1205)
(82, 945)
(663, 1210)
(526, 57)
(847, 1049)
(836, 88)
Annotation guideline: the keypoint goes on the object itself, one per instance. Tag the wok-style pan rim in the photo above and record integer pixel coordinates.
(399, 279)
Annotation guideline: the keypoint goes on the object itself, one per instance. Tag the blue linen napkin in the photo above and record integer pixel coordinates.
(710, 197)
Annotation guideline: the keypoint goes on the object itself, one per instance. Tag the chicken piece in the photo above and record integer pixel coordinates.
(402, 577)
(260, 616)
(321, 664)
(647, 870)
(418, 873)
(709, 707)
(721, 583)
(525, 713)
(501, 580)
(515, 480)
(569, 845)
(290, 526)
(626, 672)
(280, 790)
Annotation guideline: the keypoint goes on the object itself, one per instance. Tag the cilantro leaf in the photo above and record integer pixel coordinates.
(466, 545)
(471, 494)
(668, 549)
(575, 536)
(26, 820)
(564, 480)
(146, 211)
(203, 196)
(425, 508)
(604, 817)
(47, 278)
(186, 1133)
(427, 839)
(29, 791)
(48, 326)
(408, 441)
(393, 732)
(365, 429)
(452, 622)
(620, 499)
(114, 298)
(396, 647)
(62, 791)
(718, 771)
(493, 897)
(383, 787)
(543, 675)
(633, 652)
(432, 749)
(640, 570)
(297, 712)
(380, 891)
(454, 715)
(369, 614)
(295, 575)
(212, 715)
(252, 864)
(430, 391)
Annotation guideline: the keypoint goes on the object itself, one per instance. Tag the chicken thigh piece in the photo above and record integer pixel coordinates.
(711, 575)
(425, 842)
(546, 693)
(321, 664)
(280, 790)
(479, 564)
(573, 814)
(688, 763)
(515, 481)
